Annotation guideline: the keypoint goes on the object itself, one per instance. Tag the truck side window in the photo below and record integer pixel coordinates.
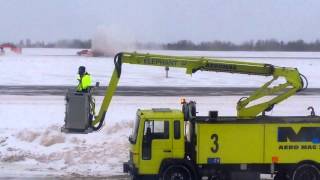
(157, 129)
(177, 132)
(153, 130)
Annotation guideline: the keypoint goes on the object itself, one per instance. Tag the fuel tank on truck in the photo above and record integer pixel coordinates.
(262, 141)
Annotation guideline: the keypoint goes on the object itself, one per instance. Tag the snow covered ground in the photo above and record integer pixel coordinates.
(30, 140)
(31, 143)
(59, 67)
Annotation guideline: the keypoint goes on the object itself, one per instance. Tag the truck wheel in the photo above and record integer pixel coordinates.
(306, 172)
(177, 172)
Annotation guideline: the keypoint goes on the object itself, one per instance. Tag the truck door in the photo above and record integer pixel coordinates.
(156, 145)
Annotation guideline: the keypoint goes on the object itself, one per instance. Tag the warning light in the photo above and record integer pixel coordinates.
(275, 159)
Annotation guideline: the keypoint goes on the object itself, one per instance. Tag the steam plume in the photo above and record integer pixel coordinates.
(107, 41)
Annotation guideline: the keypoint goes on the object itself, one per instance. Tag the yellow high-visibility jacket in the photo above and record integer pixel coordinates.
(84, 83)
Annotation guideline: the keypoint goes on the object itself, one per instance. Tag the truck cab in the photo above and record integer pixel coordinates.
(158, 134)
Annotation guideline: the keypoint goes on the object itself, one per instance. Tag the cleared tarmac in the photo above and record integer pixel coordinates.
(141, 91)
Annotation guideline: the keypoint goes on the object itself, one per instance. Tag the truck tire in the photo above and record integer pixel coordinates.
(306, 171)
(177, 172)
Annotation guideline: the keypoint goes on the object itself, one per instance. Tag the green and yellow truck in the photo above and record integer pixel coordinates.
(177, 144)
(181, 145)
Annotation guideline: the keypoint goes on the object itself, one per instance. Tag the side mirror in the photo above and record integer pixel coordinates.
(130, 139)
(97, 84)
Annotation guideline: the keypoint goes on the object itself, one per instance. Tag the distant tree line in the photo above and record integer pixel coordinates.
(72, 43)
(260, 45)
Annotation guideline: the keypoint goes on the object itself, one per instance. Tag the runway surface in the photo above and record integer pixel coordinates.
(142, 91)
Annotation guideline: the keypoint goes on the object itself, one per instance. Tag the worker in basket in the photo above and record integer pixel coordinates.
(84, 79)
(84, 85)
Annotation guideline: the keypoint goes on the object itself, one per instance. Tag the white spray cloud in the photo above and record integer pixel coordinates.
(109, 40)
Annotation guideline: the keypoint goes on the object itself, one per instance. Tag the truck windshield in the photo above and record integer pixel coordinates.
(133, 136)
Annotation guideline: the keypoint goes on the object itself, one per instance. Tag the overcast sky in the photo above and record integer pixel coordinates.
(162, 20)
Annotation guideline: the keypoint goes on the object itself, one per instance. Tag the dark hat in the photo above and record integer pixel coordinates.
(82, 70)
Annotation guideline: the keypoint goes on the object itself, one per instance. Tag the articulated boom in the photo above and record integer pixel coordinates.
(293, 84)
(281, 92)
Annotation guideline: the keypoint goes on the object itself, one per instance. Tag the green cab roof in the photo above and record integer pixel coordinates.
(160, 113)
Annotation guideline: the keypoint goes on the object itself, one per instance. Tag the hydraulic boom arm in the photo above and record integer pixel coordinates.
(280, 92)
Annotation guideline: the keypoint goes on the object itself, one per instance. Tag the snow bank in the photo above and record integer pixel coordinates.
(52, 136)
(27, 135)
(49, 150)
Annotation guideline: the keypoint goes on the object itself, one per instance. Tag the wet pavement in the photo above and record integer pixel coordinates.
(142, 91)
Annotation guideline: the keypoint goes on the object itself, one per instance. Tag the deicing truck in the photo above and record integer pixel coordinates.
(178, 144)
